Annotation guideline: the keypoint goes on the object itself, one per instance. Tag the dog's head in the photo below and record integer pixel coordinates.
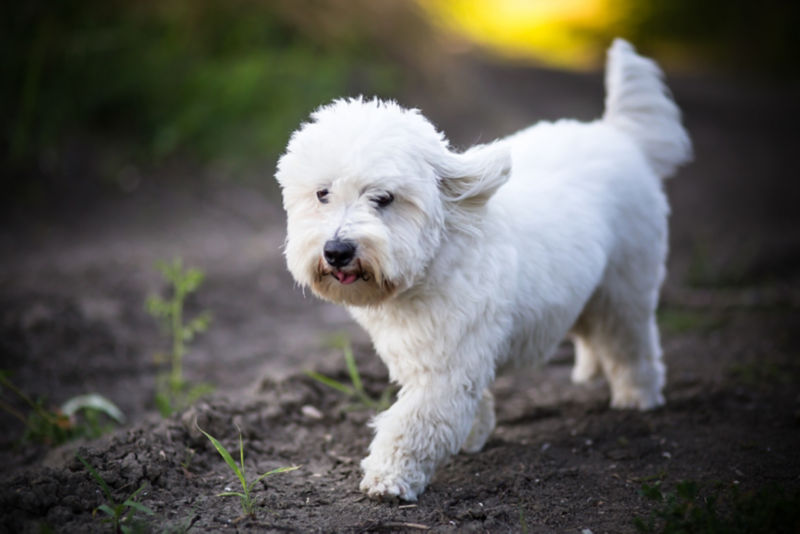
(371, 190)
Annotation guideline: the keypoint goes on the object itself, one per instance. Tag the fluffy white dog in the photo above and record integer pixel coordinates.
(459, 263)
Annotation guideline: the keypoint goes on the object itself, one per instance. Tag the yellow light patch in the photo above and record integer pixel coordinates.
(562, 33)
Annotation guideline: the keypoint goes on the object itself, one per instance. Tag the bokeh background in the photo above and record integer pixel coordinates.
(99, 93)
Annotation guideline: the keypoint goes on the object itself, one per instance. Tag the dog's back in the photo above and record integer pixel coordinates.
(588, 215)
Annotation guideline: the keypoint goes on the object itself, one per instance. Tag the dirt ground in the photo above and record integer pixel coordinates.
(75, 273)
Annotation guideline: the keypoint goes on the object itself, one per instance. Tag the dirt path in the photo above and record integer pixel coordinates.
(72, 320)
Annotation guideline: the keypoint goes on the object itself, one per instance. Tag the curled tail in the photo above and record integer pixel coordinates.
(639, 104)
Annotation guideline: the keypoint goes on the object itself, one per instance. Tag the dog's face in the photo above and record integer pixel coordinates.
(370, 190)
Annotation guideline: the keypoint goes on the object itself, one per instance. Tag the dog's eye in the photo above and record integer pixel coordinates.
(383, 200)
(322, 196)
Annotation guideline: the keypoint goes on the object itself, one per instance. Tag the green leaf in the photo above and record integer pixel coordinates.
(163, 404)
(138, 506)
(226, 456)
(275, 472)
(191, 280)
(330, 382)
(96, 476)
(106, 509)
(652, 493)
(352, 368)
(241, 457)
(158, 307)
(93, 401)
(197, 325)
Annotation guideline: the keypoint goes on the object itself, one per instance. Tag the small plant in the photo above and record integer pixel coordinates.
(686, 510)
(173, 393)
(356, 391)
(81, 416)
(119, 514)
(248, 506)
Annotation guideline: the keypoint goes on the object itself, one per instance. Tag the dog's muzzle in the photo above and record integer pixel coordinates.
(339, 252)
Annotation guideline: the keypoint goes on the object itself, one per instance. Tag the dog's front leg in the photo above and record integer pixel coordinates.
(429, 422)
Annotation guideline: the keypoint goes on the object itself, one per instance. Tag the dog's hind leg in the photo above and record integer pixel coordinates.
(483, 424)
(621, 334)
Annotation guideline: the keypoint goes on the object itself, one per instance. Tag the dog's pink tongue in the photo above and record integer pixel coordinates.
(345, 278)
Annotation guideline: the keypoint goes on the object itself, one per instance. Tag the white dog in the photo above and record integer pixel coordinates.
(459, 263)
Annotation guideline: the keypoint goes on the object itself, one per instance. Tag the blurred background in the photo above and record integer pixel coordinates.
(137, 131)
(98, 93)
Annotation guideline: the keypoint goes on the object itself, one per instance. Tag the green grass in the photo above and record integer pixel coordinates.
(356, 389)
(89, 416)
(121, 515)
(224, 81)
(245, 496)
(693, 509)
(173, 392)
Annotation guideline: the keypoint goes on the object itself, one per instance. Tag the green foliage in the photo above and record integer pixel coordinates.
(248, 505)
(682, 320)
(356, 390)
(120, 514)
(173, 393)
(689, 510)
(88, 416)
(223, 80)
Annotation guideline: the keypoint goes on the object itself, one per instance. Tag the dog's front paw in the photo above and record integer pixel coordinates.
(389, 482)
(387, 488)
(635, 398)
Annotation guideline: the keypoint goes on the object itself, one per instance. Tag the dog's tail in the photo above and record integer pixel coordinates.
(639, 104)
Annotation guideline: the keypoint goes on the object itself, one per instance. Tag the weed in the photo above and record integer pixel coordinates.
(121, 515)
(173, 393)
(248, 506)
(356, 391)
(81, 416)
(690, 510)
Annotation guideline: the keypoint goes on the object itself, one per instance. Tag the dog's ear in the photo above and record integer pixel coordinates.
(472, 177)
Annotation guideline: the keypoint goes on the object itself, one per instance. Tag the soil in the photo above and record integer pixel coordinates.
(76, 271)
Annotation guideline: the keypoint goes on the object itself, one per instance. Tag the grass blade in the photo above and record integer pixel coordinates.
(138, 506)
(93, 401)
(241, 451)
(96, 476)
(226, 456)
(106, 509)
(330, 382)
(352, 368)
(275, 472)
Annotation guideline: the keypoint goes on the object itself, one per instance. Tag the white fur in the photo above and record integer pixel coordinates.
(488, 257)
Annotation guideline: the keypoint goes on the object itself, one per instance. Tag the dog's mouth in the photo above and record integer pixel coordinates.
(350, 276)
(345, 278)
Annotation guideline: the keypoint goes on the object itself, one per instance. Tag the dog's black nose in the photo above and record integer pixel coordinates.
(339, 252)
